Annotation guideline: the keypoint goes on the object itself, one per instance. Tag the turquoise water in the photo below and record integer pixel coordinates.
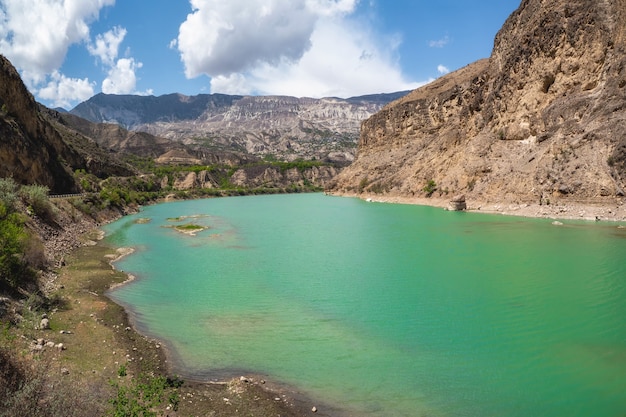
(383, 309)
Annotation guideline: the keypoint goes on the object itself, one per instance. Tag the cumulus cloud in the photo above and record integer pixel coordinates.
(35, 35)
(121, 78)
(62, 91)
(440, 43)
(342, 62)
(107, 45)
(294, 47)
(121, 73)
(236, 84)
(441, 69)
(331, 7)
(225, 37)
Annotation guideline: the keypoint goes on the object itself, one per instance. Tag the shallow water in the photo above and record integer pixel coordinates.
(386, 309)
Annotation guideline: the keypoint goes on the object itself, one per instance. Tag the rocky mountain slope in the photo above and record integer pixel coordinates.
(34, 151)
(30, 149)
(286, 127)
(544, 118)
(142, 144)
(222, 168)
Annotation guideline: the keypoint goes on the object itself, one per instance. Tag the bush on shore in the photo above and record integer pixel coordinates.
(35, 197)
(21, 252)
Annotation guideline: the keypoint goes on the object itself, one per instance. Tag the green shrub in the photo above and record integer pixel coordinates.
(430, 188)
(111, 197)
(363, 184)
(36, 197)
(12, 240)
(142, 396)
(8, 193)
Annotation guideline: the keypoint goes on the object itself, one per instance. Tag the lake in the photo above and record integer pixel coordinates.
(385, 309)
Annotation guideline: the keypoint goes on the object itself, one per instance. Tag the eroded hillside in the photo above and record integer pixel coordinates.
(31, 151)
(542, 119)
(287, 128)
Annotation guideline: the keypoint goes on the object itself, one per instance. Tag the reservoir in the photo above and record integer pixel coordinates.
(385, 309)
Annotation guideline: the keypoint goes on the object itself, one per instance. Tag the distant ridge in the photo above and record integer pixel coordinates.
(282, 126)
(131, 111)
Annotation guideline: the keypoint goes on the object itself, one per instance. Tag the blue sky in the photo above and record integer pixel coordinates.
(69, 50)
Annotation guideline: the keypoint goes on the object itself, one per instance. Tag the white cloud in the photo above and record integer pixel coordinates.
(225, 37)
(292, 47)
(36, 34)
(442, 69)
(439, 43)
(63, 91)
(235, 84)
(342, 62)
(331, 7)
(121, 78)
(121, 73)
(107, 45)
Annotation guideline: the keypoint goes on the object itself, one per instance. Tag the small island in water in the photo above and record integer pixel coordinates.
(190, 229)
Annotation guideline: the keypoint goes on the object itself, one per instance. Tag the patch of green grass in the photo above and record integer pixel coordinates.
(142, 396)
(189, 227)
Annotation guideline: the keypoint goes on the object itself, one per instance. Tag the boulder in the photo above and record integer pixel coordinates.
(457, 203)
(44, 324)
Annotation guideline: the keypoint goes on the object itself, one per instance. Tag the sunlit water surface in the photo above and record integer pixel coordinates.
(383, 309)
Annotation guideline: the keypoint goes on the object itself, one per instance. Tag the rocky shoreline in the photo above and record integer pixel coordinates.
(73, 242)
(613, 210)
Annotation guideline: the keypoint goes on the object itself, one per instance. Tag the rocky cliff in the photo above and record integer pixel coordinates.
(543, 118)
(36, 149)
(31, 151)
(286, 127)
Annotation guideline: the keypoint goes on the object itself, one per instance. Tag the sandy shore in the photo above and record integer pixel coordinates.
(609, 210)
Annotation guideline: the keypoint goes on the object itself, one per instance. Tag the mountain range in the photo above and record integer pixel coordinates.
(542, 119)
(282, 127)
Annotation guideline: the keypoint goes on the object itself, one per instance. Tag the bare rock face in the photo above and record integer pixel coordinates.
(31, 150)
(191, 180)
(273, 177)
(457, 203)
(37, 148)
(543, 117)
